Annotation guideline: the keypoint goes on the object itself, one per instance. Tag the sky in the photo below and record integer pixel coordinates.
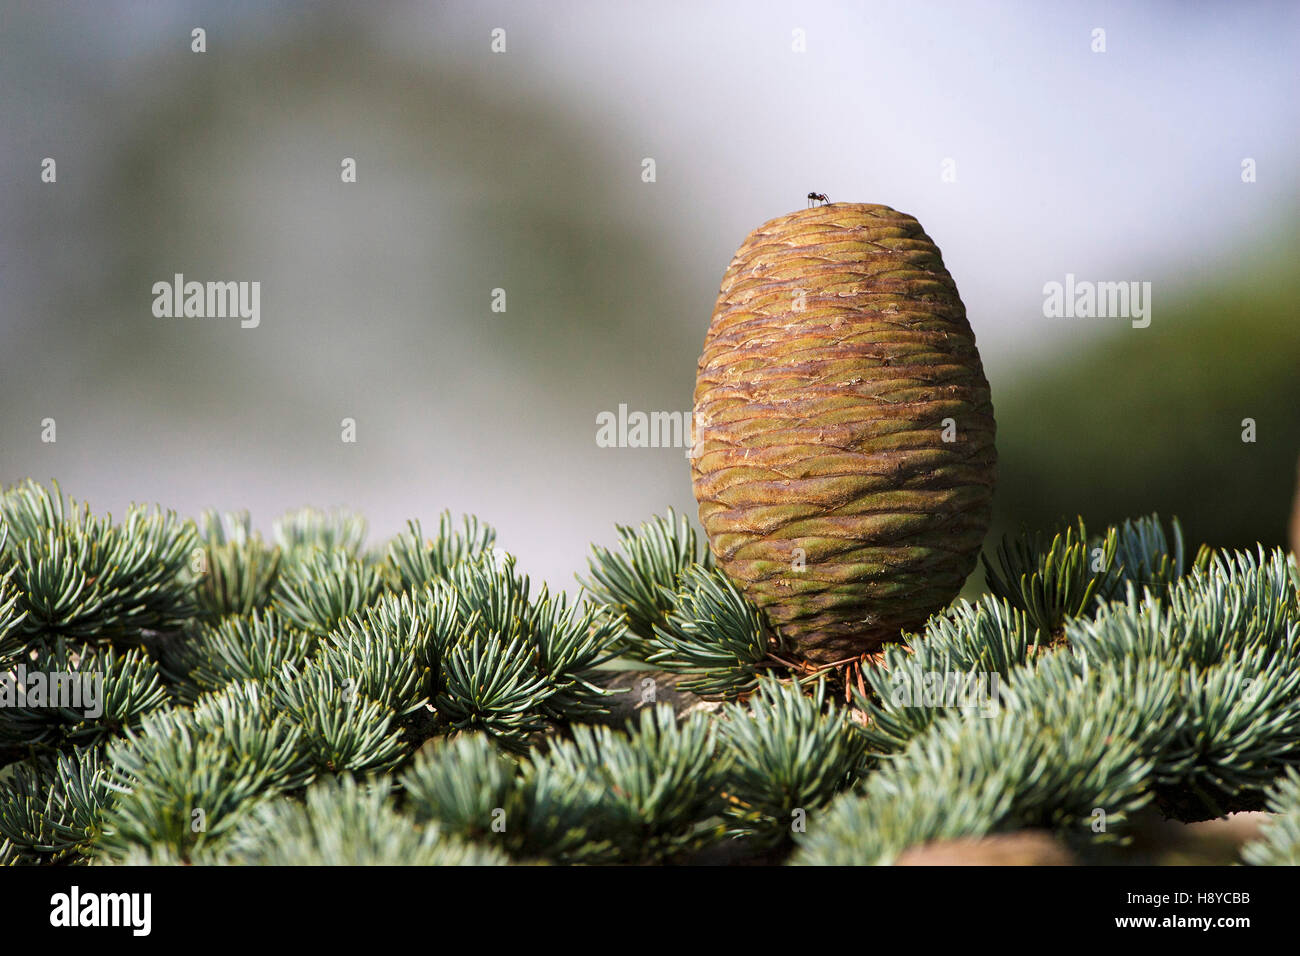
(523, 170)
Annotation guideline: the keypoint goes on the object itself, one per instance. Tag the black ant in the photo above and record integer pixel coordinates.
(818, 197)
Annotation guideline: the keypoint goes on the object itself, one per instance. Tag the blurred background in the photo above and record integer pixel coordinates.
(1024, 152)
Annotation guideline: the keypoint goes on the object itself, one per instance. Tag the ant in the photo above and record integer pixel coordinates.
(817, 197)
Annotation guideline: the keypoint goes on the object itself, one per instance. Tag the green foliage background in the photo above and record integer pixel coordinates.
(309, 701)
(1151, 418)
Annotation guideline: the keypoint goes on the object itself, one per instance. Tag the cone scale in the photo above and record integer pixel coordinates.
(843, 460)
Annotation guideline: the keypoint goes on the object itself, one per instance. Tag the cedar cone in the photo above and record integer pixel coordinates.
(843, 458)
(1023, 848)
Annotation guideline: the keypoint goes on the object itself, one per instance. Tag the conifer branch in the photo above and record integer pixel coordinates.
(639, 583)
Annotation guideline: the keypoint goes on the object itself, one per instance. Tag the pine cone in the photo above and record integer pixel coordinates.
(1024, 848)
(843, 457)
